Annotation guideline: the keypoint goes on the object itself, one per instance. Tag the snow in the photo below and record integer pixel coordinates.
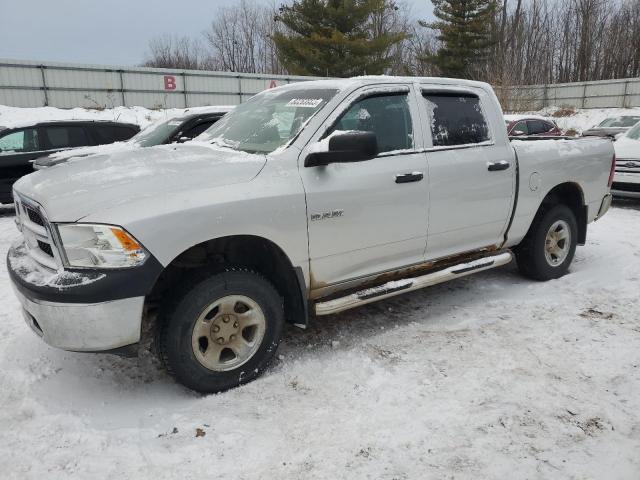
(14, 117)
(517, 117)
(491, 376)
(33, 273)
(583, 118)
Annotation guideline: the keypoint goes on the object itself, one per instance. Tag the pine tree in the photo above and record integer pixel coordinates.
(465, 30)
(334, 37)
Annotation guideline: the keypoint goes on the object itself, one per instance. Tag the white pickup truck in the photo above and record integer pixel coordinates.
(309, 199)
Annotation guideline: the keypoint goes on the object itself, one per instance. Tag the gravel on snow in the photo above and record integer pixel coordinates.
(491, 376)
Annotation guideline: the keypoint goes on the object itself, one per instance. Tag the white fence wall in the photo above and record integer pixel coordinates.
(64, 85)
(623, 93)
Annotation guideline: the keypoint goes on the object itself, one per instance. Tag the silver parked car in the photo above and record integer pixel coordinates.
(626, 181)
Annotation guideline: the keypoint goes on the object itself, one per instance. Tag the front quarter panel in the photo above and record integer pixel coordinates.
(271, 206)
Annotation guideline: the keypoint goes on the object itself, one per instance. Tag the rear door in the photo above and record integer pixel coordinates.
(471, 172)
(17, 149)
(63, 136)
(363, 217)
(104, 134)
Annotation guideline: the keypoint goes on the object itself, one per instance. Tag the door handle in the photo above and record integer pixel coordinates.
(409, 177)
(497, 166)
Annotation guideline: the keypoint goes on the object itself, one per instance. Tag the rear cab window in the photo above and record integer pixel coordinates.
(456, 119)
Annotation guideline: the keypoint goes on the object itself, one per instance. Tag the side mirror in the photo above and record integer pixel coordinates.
(344, 148)
(618, 136)
(517, 133)
(183, 139)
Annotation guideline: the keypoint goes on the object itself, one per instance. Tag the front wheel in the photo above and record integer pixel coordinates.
(222, 331)
(548, 249)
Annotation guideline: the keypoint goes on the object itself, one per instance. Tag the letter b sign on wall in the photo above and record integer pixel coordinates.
(169, 82)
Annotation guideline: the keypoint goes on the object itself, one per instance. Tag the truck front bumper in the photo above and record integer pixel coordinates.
(92, 312)
(626, 185)
(84, 327)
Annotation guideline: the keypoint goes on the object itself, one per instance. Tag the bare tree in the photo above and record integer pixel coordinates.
(167, 51)
(239, 39)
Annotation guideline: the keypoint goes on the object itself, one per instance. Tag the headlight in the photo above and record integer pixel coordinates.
(99, 246)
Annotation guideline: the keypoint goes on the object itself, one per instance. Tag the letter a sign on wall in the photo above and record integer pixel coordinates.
(169, 82)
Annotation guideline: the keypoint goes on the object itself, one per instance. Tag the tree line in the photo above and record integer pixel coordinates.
(504, 42)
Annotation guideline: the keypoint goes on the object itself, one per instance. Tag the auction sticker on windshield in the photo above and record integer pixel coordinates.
(304, 102)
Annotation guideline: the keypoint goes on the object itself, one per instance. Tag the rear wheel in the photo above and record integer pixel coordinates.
(221, 331)
(548, 249)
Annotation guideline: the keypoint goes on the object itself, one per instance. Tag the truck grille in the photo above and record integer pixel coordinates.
(36, 231)
(627, 187)
(628, 165)
(34, 216)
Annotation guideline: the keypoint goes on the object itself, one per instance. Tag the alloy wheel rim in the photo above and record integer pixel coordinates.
(557, 243)
(228, 333)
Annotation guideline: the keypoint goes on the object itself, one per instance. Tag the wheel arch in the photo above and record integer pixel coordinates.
(571, 195)
(238, 251)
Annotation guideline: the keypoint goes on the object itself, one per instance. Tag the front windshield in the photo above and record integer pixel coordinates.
(634, 133)
(268, 120)
(157, 133)
(619, 122)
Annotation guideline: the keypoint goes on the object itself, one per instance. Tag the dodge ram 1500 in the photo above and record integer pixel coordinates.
(307, 200)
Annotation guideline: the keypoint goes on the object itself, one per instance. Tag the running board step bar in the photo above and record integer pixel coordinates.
(397, 287)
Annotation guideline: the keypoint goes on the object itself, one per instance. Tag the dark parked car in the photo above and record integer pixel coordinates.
(612, 126)
(21, 145)
(519, 126)
(175, 130)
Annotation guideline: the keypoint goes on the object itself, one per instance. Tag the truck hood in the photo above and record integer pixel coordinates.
(81, 152)
(627, 148)
(605, 131)
(83, 186)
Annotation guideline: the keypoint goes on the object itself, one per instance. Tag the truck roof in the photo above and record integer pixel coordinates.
(354, 82)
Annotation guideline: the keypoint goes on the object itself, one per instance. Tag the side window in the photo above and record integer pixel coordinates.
(66, 136)
(456, 119)
(109, 133)
(196, 130)
(536, 127)
(387, 116)
(520, 127)
(22, 141)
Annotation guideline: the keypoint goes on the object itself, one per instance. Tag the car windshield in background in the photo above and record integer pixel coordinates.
(634, 133)
(157, 133)
(619, 122)
(268, 120)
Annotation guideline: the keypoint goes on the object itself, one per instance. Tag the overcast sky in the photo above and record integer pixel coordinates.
(112, 32)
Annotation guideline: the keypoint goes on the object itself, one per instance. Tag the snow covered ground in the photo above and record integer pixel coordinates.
(489, 377)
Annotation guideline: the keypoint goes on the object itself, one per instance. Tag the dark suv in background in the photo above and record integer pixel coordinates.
(174, 130)
(21, 145)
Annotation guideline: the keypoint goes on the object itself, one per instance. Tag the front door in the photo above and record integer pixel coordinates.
(370, 216)
(471, 174)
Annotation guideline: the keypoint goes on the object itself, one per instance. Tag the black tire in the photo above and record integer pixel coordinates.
(184, 309)
(530, 254)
